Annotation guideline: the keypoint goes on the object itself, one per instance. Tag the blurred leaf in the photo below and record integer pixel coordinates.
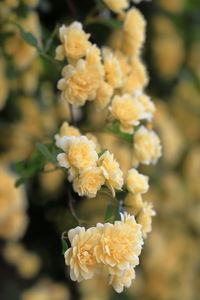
(45, 151)
(109, 213)
(116, 130)
(19, 182)
(64, 246)
(102, 152)
(28, 37)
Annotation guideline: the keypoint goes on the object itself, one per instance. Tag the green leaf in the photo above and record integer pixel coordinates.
(64, 246)
(102, 152)
(116, 130)
(109, 213)
(45, 151)
(20, 181)
(28, 37)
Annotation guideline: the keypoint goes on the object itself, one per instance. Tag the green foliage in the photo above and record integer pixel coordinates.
(28, 37)
(46, 153)
(64, 246)
(109, 213)
(116, 130)
(102, 152)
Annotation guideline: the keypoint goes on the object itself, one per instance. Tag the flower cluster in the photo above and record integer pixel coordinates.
(114, 247)
(113, 77)
(86, 169)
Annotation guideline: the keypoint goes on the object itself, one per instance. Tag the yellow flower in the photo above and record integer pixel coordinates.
(11, 198)
(147, 148)
(148, 106)
(81, 255)
(111, 171)
(66, 130)
(134, 32)
(89, 182)
(145, 218)
(136, 182)
(74, 42)
(137, 79)
(113, 73)
(14, 226)
(104, 94)
(117, 5)
(128, 110)
(120, 244)
(79, 154)
(135, 24)
(79, 83)
(124, 280)
(133, 203)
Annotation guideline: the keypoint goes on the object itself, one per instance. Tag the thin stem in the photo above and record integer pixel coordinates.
(73, 10)
(71, 206)
(48, 57)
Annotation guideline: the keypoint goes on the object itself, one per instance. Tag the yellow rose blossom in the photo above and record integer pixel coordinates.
(66, 130)
(148, 106)
(147, 148)
(137, 79)
(128, 110)
(74, 42)
(79, 154)
(133, 203)
(81, 255)
(113, 73)
(103, 96)
(94, 60)
(117, 6)
(145, 218)
(120, 244)
(136, 182)
(135, 24)
(124, 280)
(111, 171)
(89, 182)
(79, 83)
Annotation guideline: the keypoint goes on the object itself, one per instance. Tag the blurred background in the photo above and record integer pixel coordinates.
(33, 216)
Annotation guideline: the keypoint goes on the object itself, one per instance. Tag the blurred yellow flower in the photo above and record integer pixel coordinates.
(67, 130)
(133, 203)
(147, 148)
(137, 79)
(74, 42)
(103, 96)
(124, 280)
(117, 5)
(136, 183)
(144, 218)
(128, 110)
(113, 72)
(111, 171)
(89, 182)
